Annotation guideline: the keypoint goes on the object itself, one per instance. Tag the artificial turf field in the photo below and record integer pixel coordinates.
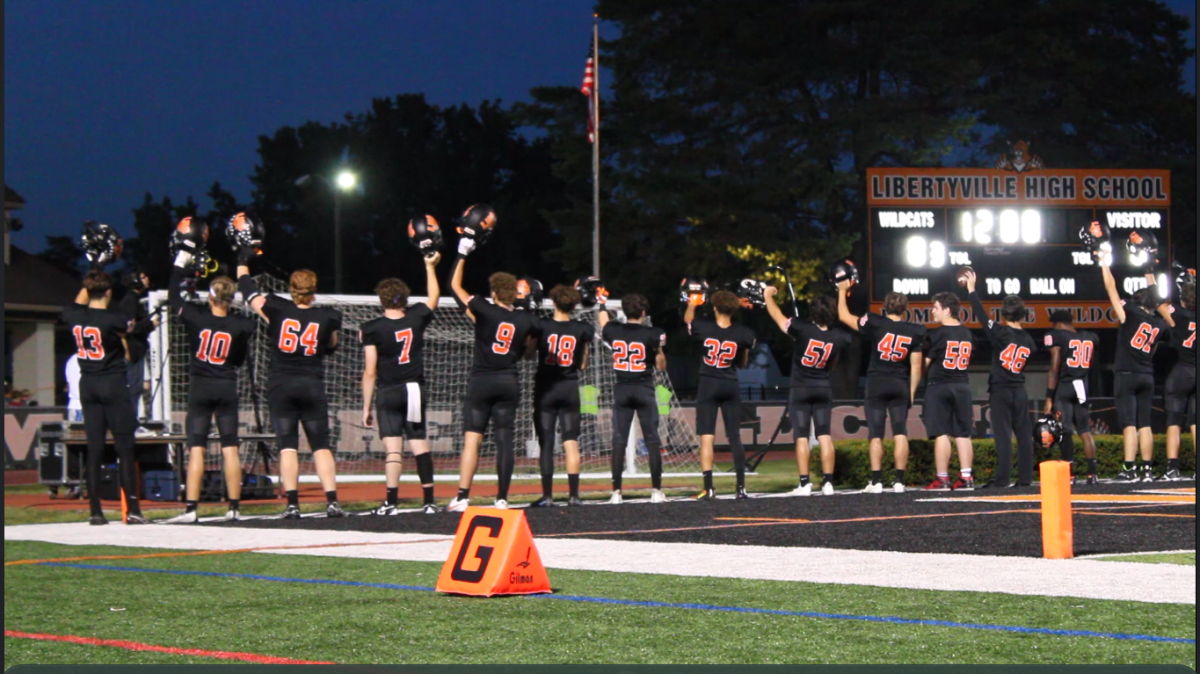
(352, 610)
(383, 623)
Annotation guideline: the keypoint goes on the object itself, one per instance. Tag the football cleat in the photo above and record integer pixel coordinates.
(741, 494)
(543, 502)
(1128, 476)
(898, 487)
(429, 509)
(938, 484)
(458, 505)
(1171, 476)
(97, 520)
(802, 490)
(574, 501)
(232, 515)
(1092, 479)
(291, 513)
(657, 496)
(874, 488)
(334, 510)
(615, 499)
(500, 504)
(964, 484)
(1147, 474)
(707, 495)
(136, 518)
(189, 517)
(385, 509)
(827, 489)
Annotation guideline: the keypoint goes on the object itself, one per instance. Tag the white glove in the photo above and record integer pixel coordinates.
(465, 246)
(183, 259)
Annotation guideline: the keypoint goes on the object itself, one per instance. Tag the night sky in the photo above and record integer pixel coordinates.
(105, 101)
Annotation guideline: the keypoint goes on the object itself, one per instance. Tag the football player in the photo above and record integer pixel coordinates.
(1009, 401)
(1140, 333)
(1180, 391)
(503, 335)
(947, 406)
(810, 397)
(892, 378)
(100, 335)
(725, 346)
(1067, 386)
(562, 353)
(394, 376)
(633, 344)
(300, 336)
(218, 343)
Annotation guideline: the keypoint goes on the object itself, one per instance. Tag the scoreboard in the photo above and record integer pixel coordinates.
(1019, 231)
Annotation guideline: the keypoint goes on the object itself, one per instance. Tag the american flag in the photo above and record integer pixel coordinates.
(589, 90)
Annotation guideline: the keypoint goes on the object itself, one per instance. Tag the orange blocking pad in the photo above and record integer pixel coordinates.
(1058, 531)
(493, 554)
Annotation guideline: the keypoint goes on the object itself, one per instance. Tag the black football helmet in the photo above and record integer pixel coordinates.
(693, 290)
(1182, 275)
(101, 244)
(529, 293)
(477, 222)
(425, 234)
(1097, 240)
(843, 270)
(750, 292)
(591, 290)
(245, 235)
(1047, 431)
(1142, 247)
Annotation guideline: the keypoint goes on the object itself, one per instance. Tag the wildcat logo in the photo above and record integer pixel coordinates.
(1019, 159)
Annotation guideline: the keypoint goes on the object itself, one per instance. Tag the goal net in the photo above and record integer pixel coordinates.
(449, 343)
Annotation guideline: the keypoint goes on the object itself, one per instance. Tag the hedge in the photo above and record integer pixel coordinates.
(854, 467)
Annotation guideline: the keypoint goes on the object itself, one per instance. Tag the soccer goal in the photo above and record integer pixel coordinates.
(449, 342)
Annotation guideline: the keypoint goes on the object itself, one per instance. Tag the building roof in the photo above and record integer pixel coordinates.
(33, 285)
(12, 199)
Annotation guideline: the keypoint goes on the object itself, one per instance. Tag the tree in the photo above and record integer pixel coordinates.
(64, 253)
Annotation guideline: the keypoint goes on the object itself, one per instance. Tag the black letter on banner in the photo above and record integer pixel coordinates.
(483, 554)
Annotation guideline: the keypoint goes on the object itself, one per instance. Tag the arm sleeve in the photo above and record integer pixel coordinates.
(982, 315)
(248, 287)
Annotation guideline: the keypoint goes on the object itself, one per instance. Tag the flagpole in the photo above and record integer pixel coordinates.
(596, 147)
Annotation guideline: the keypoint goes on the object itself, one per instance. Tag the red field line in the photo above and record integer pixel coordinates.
(137, 646)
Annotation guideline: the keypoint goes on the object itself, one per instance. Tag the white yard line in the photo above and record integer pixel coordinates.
(1173, 584)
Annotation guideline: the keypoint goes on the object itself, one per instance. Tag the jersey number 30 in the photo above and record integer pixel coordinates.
(290, 336)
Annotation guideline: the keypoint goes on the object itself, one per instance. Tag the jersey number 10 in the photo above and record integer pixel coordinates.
(214, 347)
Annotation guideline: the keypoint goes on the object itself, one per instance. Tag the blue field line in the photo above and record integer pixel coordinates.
(659, 604)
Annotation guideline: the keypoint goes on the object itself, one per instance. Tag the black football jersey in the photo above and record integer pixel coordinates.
(892, 344)
(815, 352)
(97, 334)
(399, 344)
(1136, 339)
(1183, 335)
(217, 344)
(1078, 350)
(1011, 349)
(499, 336)
(722, 348)
(299, 337)
(949, 349)
(561, 345)
(633, 350)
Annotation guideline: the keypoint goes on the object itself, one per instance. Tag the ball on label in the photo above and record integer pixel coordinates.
(962, 275)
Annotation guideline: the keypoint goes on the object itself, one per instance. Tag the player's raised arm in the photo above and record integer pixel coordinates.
(456, 280)
(773, 309)
(433, 289)
(689, 314)
(843, 307)
(1114, 297)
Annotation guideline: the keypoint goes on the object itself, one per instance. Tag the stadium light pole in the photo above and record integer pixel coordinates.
(344, 182)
